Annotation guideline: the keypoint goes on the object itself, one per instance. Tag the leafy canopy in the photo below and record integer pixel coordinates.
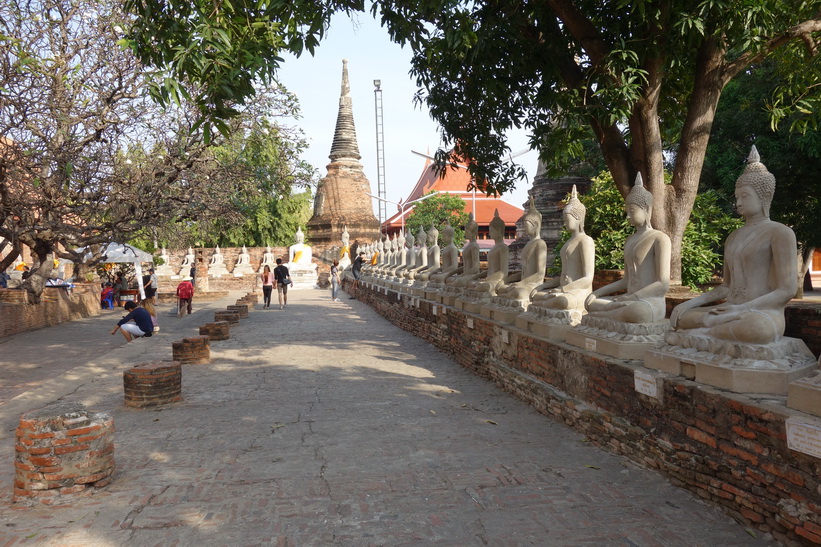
(436, 211)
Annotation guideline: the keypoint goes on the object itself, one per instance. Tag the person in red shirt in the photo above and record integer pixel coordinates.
(185, 294)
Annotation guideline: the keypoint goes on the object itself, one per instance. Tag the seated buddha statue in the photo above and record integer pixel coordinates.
(760, 272)
(518, 286)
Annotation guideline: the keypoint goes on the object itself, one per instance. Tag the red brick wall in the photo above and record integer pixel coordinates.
(728, 448)
(57, 306)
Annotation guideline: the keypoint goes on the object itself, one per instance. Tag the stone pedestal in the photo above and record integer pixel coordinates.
(195, 350)
(472, 301)
(743, 368)
(804, 394)
(304, 276)
(548, 322)
(62, 451)
(503, 310)
(218, 330)
(152, 384)
(242, 310)
(242, 270)
(615, 338)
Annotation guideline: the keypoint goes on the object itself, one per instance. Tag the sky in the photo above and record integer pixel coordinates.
(371, 55)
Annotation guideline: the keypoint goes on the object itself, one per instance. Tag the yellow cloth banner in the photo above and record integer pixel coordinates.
(297, 256)
(373, 259)
(345, 250)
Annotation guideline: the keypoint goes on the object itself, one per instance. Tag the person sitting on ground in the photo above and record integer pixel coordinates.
(356, 270)
(185, 295)
(106, 293)
(141, 326)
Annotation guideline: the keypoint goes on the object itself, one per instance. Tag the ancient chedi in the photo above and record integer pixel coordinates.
(342, 196)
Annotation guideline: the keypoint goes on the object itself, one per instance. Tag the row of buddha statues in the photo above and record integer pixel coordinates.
(300, 257)
(729, 331)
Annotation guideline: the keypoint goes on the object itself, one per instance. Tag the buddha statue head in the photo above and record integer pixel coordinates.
(433, 236)
(471, 229)
(409, 239)
(575, 208)
(639, 197)
(400, 240)
(497, 227)
(532, 220)
(447, 233)
(757, 177)
(300, 237)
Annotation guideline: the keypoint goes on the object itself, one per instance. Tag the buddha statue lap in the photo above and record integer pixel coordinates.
(628, 324)
(760, 277)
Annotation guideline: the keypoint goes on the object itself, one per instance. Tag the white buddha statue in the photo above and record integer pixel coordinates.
(482, 287)
(268, 259)
(187, 263)
(216, 265)
(421, 259)
(760, 274)
(471, 266)
(449, 263)
(513, 296)
(646, 268)
(434, 256)
(408, 259)
(399, 256)
(299, 254)
(559, 301)
(243, 264)
(627, 325)
(165, 267)
(345, 250)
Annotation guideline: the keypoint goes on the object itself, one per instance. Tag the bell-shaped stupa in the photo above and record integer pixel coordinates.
(342, 196)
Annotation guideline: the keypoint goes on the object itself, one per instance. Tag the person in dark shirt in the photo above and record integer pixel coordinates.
(141, 326)
(356, 270)
(283, 279)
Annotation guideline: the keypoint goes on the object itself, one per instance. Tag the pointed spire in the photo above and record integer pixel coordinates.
(754, 157)
(345, 146)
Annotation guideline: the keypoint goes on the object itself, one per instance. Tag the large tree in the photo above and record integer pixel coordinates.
(85, 155)
(644, 77)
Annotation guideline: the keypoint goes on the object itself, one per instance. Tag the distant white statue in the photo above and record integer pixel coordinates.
(299, 253)
(216, 266)
(345, 250)
(267, 260)
(243, 265)
(165, 267)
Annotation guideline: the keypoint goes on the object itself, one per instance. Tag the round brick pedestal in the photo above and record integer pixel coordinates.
(229, 316)
(219, 330)
(251, 298)
(62, 451)
(151, 384)
(195, 350)
(242, 310)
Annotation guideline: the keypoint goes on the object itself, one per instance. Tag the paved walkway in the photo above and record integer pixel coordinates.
(323, 424)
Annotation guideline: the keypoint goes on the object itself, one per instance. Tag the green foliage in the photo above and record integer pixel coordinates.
(436, 211)
(607, 224)
(793, 158)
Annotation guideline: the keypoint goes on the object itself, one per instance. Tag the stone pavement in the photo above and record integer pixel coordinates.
(323, 424)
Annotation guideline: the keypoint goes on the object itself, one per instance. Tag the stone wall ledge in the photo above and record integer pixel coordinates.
(729, 448)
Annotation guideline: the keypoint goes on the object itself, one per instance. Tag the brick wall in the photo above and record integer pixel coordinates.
(728, 448)
(57, 306)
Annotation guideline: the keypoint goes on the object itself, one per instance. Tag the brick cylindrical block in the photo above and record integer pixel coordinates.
(219, 330)
(62, 451)
(252, 297)
(241, 310)
(229, 316)
(154, 383)
(195, 350)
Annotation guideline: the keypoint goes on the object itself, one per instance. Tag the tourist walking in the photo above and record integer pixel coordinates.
(335, 281)
(283, 279)
(185, 295)
(267, 286)
(149, 287)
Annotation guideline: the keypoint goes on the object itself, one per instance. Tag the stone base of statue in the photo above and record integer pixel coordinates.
(242, 270)
(270, 265)
(418, 288)
(734, 366)
(433, 291)
(472, 301)
(304, 276)
(804, 394)
(548, 323)
(503, 310)
(615, 338)
(165, 270)
(217, 270)
(448, 294)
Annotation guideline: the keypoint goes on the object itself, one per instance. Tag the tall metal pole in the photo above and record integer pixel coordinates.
(380, 153)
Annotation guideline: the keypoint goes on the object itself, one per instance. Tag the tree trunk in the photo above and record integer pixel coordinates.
(11, 257)
(36, 282)
(804, 277)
